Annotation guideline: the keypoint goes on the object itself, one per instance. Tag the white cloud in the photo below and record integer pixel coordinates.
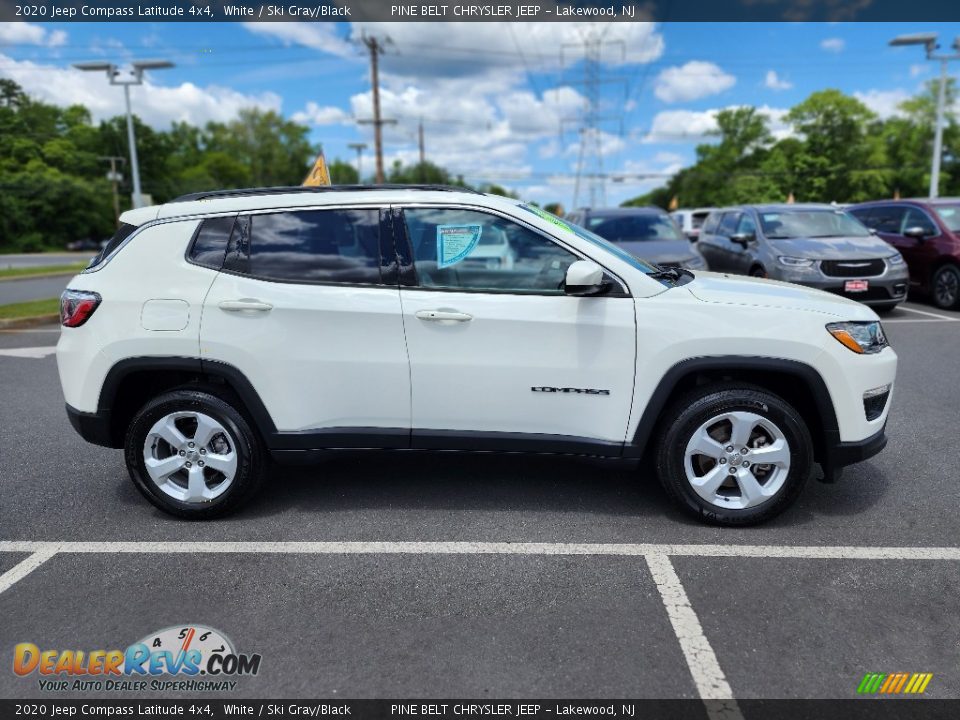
(677, 126)
(23, 33)
(314, 114)
(883, 102)
(319, 36)
(775, 82)
(834, 44)
(693, 80)
(919, 69)
(156, 105)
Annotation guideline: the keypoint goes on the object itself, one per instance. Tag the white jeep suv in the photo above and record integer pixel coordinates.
(226, 328)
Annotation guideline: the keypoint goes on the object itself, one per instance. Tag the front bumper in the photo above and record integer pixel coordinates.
(889, 287)
(93, 427)
(838, 455)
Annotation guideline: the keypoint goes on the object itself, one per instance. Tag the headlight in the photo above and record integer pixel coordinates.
(895, 259)
(864, 338)
(695, 263)
(795, 261)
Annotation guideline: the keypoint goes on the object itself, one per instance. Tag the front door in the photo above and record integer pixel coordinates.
(498, 352)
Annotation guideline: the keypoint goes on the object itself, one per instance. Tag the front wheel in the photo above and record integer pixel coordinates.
(734, 454)
(946, 287)
(193, 455)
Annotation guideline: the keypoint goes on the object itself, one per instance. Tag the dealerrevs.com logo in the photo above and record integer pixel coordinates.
(184, 658)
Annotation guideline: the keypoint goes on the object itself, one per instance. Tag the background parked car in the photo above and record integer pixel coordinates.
(648, 233)
(816, 245)
(690, 221)
(81, 245)
(927, 234)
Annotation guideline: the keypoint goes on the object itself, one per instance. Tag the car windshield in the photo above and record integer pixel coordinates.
(787, 224)
(593, 238)
(950, 215)
(635, 228)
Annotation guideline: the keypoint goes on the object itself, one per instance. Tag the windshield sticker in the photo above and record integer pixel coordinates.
(455, 242)
(549, 217)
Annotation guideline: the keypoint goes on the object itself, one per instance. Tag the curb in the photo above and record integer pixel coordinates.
(39, 276)
(28, 322)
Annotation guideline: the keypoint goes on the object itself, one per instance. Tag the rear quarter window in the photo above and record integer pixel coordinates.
(123, 232)
(210, 242)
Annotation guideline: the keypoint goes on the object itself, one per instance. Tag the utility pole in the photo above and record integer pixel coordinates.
(375, 48)
(115, 177)
(423, 155)
(359, 147)
(590, 155)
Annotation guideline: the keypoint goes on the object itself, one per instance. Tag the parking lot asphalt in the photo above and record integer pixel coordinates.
(441, 623)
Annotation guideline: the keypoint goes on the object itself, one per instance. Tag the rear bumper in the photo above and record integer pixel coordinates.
(92, 427)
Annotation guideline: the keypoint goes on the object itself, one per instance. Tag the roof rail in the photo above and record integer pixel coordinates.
(282, 190)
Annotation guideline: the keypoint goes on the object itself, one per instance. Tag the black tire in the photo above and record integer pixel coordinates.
(758, 271)
(250, 467)
(945, 287)
(691, 411)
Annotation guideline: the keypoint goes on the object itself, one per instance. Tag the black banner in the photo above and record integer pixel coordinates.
(854, 709)
(476, 11)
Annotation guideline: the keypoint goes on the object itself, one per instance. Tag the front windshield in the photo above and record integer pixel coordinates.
(950, 215)
(635, 228)
(788, 224)
(592, 237)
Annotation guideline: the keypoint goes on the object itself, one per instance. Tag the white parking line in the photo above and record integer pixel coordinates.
(701, 660)
(810, 552)
(29, 352)
(25, 567)
(930, 314)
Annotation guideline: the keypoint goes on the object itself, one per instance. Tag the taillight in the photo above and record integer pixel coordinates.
(76, 307)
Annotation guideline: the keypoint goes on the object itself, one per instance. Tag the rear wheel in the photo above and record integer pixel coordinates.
(734, 454)
(193, 455)
(946, 287)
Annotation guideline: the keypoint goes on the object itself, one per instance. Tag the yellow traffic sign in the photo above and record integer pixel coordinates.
(319, 174)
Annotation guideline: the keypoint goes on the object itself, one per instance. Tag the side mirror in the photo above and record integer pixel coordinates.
(584, 278)
(743, 238)
(917, 232)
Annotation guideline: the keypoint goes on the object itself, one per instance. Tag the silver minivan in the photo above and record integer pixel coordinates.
(821, 246)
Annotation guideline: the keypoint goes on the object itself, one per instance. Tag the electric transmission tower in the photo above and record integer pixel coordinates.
(590, 121)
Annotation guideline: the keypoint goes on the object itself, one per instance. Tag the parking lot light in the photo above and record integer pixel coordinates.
(134, 77)
(929, 42)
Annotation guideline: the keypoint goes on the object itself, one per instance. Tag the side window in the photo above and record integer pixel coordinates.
(747, 225)
(866, 215)
(468, 250)
(210, 242)
(123, 232)
(710, 224)
(309, 246)
(728, 226)
(918, 218)
(888, 219)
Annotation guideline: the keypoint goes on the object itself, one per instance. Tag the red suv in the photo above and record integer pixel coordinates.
(927, 234)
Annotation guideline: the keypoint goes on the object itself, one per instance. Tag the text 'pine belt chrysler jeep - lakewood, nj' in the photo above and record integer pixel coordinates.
(226, 326)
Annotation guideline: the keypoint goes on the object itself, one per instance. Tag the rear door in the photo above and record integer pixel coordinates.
(500, 357)
(306, 310)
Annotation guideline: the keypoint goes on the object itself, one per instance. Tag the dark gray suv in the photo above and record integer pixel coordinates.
(821, 246)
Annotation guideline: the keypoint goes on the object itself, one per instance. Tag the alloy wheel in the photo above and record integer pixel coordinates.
(947, 287)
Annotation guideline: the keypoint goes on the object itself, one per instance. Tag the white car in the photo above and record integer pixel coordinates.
(690, 221)
(227, 326)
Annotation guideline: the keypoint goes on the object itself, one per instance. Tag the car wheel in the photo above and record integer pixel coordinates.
(193, 455)
(946, 287)
(734, 454)
(758, 271)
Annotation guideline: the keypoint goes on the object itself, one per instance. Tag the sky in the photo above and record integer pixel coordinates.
(500, 102)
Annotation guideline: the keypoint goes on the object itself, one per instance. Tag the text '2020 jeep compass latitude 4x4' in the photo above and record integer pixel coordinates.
(225, 326)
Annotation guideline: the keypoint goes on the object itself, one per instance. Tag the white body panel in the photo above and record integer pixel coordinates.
(478, 375)
(325, 356)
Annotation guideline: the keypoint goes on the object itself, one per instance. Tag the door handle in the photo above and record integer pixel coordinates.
(443, 315)
(245, 304)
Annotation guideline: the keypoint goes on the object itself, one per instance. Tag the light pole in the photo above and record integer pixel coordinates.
(359, 147)
(929, 42)
(135, 77)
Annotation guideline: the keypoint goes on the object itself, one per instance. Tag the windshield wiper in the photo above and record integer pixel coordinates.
(669, 273)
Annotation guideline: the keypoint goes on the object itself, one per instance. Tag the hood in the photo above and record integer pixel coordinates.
(739, 290)
(660, 251)
(834, 248)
